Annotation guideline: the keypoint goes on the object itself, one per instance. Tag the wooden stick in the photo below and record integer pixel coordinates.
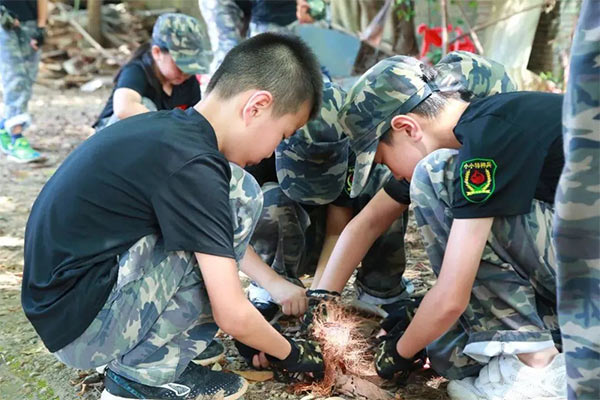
(84, 33)
(474, 35)
(444, 11)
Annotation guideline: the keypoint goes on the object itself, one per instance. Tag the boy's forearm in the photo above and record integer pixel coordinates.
(260, 335)
(430, 322)
(349, 250)
(446, 301)
(253, 266)
(42, 6)
(328, 246)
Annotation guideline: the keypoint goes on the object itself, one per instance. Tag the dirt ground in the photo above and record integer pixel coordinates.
(27, 370)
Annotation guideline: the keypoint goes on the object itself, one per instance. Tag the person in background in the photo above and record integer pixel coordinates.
(22, 32)
(160, 74)
(230, 21)
(577, 217)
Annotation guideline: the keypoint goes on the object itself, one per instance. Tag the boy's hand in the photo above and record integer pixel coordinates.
(316, 305)
(391, 365)
(291, 297)
(388, 363)
(304, 363)
(303, 12)
(38, 38)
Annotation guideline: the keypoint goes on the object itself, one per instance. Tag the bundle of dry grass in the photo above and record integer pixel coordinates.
(346, 344)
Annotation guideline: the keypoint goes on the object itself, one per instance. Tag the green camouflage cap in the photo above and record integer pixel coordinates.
(396, 86)
(183, 36)
(472, 75)
(311, 165)
(392, 86)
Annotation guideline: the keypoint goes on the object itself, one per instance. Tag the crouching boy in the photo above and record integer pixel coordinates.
(131, 247)
(483, 177)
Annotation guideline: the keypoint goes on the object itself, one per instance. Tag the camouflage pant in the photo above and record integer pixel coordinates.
(106, 121)
(577, 219)
(290, 240)
(18, 70)
(513, 300)
(158, 316)
(226, 27)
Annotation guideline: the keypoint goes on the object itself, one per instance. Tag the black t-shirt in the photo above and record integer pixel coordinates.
(398, 190)
(511, 153)
(280, 12)
(154, 173)
(135, 76)
(25, 10)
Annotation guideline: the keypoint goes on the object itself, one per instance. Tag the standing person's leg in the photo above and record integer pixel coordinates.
(380, 278)
(18, 69)
(225, 23)
(279, 239)
(262, 27)
(577, 219)
(512, 301)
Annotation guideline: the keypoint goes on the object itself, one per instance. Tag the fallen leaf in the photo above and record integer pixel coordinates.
(255, 376)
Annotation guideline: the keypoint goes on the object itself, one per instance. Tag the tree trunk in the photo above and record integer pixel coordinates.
(94, 27)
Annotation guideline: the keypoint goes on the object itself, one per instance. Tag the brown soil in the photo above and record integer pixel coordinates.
(27, 369)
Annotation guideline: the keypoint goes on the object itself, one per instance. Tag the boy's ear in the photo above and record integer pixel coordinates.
(257, 103)
(407, 125)
(155, 50)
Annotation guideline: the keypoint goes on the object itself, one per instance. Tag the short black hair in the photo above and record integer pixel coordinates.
(282, 64)
(431, 106)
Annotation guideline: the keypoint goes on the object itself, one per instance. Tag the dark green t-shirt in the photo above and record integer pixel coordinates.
(154, 173)
(511, 153)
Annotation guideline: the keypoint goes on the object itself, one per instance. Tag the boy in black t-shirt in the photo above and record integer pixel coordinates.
(131, 246)
(483, 177)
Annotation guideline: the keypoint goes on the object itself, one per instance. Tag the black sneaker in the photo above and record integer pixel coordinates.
(213, 353)
(195, 382)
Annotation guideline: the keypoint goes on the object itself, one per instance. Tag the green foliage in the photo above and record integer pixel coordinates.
(404, 9)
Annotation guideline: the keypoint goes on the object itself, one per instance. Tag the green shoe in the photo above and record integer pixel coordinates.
(21, 151)
(5, 140)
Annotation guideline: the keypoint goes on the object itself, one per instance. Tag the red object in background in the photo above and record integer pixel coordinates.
(433, 37)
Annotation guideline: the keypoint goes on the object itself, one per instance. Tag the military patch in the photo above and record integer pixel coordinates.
(478, 179)
(349, 180)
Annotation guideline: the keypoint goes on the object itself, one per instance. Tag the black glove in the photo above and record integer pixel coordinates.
(7, 18)
(316, 305)
(388, 363)
(304, 358)
(391, 365)
(400, 316)
(39, 35)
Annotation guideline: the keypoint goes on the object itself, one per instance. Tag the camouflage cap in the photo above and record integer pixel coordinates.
(395, 86)
(472, 75)
(311, 165)
(183, 36)
(392, 86)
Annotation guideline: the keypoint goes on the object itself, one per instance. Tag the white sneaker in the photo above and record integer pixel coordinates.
(505, 377)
